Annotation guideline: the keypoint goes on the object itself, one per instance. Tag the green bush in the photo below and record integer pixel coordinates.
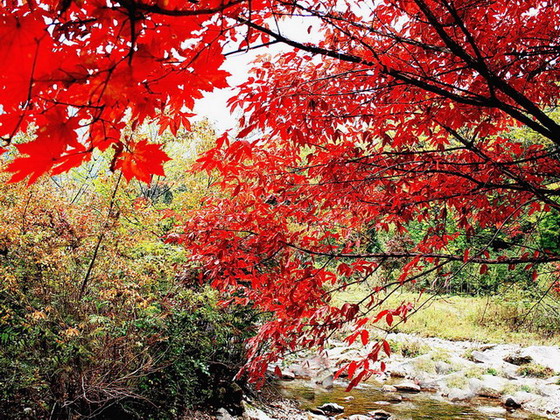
(202, 351)
(492, 371)
(523, 308)
(151, 367)
(409, 348)
(549, 229)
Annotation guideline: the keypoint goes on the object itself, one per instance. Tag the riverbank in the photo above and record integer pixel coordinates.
(425, 378)
(495, 380)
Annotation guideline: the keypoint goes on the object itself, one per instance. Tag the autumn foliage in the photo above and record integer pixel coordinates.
(405, 112)
(99, 318)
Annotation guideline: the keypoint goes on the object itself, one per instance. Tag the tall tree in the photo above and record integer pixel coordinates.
(438, 112)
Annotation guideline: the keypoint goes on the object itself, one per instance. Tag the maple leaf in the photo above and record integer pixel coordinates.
(40, 160)
(141, 161)
(71, 160)
(11, 123)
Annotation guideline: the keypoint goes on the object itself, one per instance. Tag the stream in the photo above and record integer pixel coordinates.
(436, 379)
(424, 405)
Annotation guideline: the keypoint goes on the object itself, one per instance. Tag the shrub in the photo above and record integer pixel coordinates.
(535, 370)
(474, 372)
(94, 321)
(202, 351)
(413, 349)
(456, 381)
(408, 348)
(425, 365)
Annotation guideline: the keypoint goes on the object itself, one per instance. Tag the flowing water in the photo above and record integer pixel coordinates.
(424, 405)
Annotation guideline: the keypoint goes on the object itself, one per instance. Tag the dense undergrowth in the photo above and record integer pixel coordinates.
(499, 303)
(99, 317)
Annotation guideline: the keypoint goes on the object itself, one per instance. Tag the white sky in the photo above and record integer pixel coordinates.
(213, 105)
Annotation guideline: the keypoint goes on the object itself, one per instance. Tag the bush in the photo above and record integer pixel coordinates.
(94, 321)
(549, 229)
(202, 352)
(408, 348)
(518, 308)
(151, 367)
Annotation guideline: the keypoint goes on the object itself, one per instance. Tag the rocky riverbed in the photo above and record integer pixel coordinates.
(425, 378)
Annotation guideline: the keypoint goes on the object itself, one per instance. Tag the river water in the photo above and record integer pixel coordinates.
(424, 405)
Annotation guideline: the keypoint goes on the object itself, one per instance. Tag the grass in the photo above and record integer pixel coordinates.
(408, 348)
(482, 319)
(457, 381)
(492, 371)
(425, 365)
(441, 356)
(473, 372)
(526, 388)
(535, 370)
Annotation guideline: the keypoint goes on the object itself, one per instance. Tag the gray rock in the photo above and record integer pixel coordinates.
(398, 372)
(492, 411)
(553, 380)
(223, 414)
(548, 356)
(328, 381)
(443, 368)
(487, 347)
(510, 371)
(521, 397)
(503, 359)
(319, 362)
(348, 398)
(548, 390)
(288, 376)
(518, 359)
(313, 416)
(331, 408)
(475, 385)
(407, 387)
(492, 386)
(359, 417)
(488, 393)
(394, 398)
(481, 357)
(456, 394)
(511, 404)
(431, 385)
(301, 371)
(254, 413)
(317, 411)
(380, 415)
(388, 388)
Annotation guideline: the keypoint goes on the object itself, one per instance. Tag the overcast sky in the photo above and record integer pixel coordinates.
(213, 105)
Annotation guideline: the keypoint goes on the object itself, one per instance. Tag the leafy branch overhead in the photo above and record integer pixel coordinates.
(394, 114)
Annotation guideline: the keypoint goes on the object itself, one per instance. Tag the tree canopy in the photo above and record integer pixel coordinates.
(404, 112)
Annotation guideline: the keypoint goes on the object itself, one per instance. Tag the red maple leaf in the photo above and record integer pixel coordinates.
(141, 161)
